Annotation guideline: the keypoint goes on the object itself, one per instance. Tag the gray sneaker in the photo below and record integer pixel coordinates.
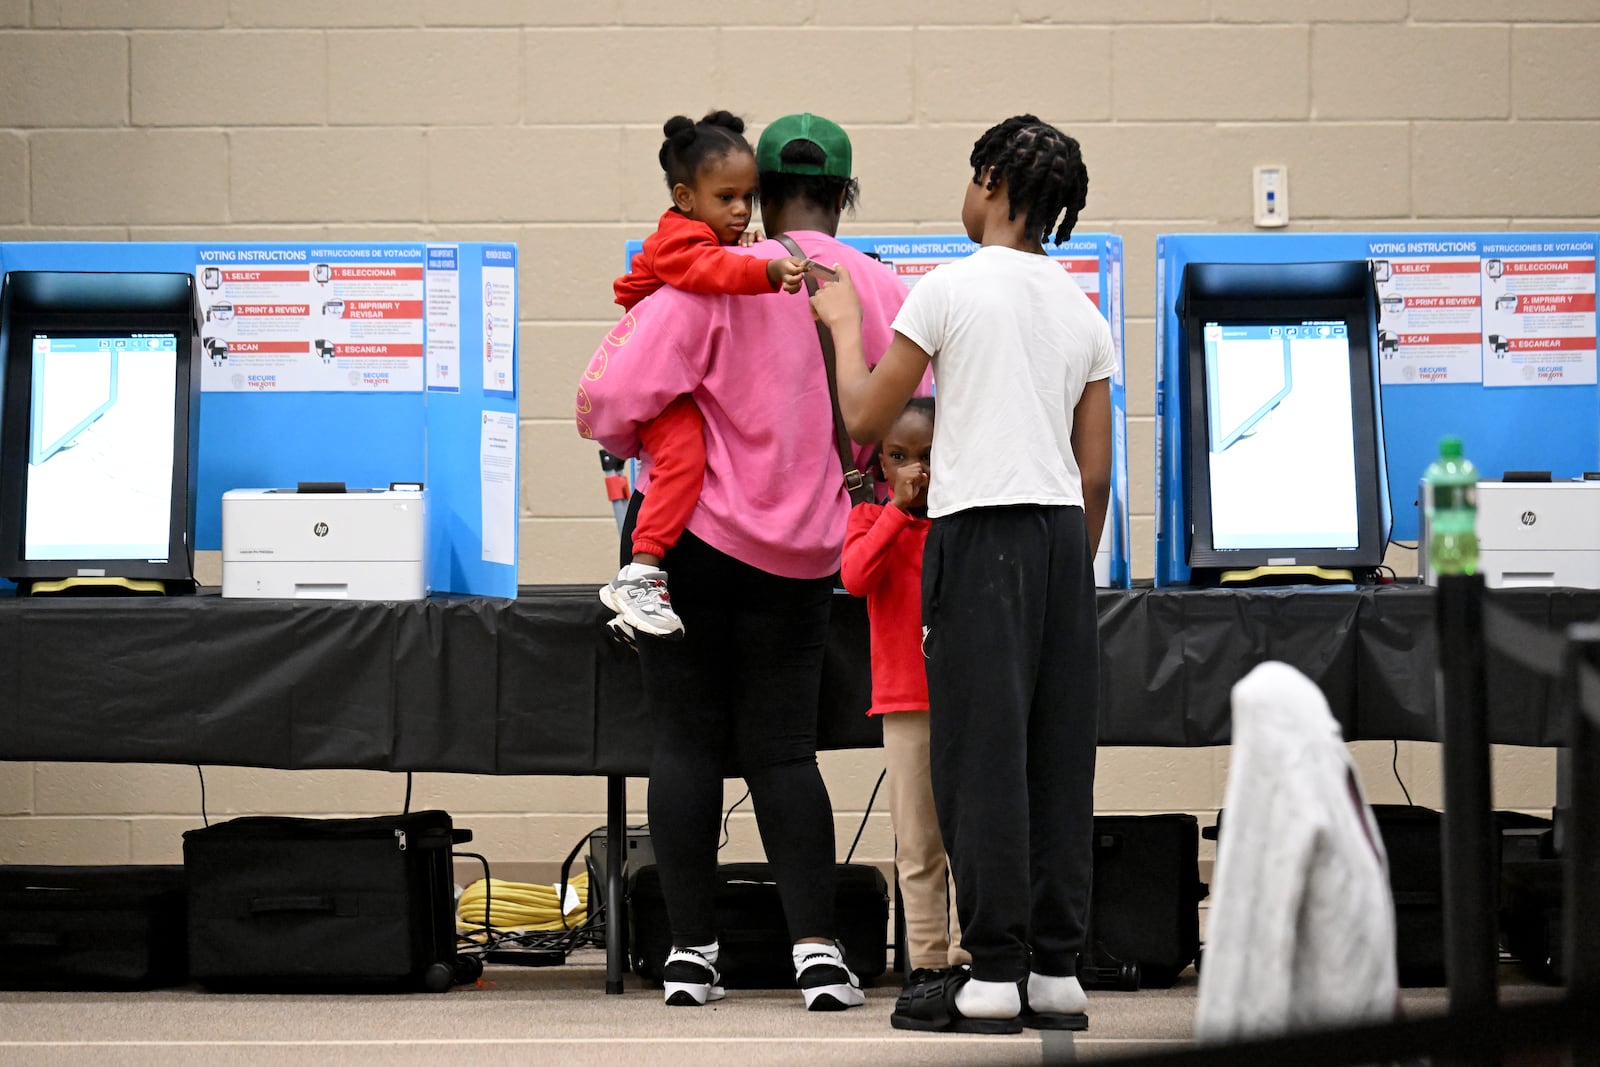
(641, 600)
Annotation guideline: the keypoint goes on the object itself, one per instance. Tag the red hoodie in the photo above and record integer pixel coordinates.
(883, 562)
(685, 254)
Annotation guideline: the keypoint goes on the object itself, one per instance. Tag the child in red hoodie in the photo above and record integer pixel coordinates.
(883, 562)
(711, 170)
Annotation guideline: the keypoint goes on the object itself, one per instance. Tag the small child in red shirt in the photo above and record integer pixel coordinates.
(711, 170)
(883, 562)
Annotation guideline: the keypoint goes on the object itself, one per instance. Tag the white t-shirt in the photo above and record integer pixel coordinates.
(1013, 341)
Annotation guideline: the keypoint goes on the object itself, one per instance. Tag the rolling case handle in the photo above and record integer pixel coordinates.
(278, 905)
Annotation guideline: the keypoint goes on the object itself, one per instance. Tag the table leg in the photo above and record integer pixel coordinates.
(1582, 844)
(616, 856)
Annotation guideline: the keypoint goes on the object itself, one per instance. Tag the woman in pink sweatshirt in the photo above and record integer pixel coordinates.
(753, 573)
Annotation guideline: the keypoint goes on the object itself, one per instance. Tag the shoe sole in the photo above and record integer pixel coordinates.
(690, 995)
(834, 998)
(956, 1024)
(908, 1022)
(1055, 1020)
(632, 618)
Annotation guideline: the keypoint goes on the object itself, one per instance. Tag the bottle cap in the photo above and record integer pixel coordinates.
(1450, 446)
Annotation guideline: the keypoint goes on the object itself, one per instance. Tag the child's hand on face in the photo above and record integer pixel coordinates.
(787, 274)
(910, 479)
(836, 304)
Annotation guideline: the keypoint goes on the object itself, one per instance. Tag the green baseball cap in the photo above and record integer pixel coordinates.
(826, 135)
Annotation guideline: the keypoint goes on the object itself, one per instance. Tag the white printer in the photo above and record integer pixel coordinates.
(1539, 533)
(324, 542)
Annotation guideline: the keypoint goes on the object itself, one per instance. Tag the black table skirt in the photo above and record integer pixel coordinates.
(534, 686)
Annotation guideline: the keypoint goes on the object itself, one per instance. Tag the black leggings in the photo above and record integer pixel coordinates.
(738, 695)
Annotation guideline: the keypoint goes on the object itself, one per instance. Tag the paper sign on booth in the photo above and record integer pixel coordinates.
(309, 319)
(497, 465)
(499, 320)
(913, 259)
(443, 286)
(1539, 313)
(1430, 320)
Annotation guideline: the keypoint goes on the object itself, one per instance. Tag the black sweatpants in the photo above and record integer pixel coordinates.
(738, 694)
(1012, 648)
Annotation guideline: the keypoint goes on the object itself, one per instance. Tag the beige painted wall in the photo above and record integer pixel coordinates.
(538, 122)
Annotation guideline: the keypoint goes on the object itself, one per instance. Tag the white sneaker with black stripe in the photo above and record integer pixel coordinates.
(690, 979)
(828, 984)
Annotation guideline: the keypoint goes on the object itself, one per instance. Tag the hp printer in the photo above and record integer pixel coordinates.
(323, 542)
(1539, 533)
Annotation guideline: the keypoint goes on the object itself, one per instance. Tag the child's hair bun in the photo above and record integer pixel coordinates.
(689, 143)
(680, 131)
(726, 119)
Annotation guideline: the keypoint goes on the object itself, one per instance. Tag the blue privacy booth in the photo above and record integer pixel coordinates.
(367, 364)
(1490, 336)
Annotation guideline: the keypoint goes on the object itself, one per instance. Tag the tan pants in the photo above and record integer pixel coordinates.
(933, 933)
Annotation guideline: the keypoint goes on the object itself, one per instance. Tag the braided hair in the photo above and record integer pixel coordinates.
(1043, 171)
(690, 145)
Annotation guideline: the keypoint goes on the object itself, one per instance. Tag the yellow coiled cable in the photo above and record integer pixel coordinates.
(521, 905)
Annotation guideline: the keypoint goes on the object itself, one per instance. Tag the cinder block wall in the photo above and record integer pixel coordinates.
(538, 122)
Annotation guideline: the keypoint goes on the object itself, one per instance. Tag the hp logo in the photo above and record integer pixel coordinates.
(320, 529)
(1529, 518)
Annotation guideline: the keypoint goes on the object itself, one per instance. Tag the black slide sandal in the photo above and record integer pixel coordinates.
(931, 1006)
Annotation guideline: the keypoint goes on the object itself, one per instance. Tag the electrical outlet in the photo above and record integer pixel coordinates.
(1271, 190)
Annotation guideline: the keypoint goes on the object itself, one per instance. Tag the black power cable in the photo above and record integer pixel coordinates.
(1394, 765)
(865, 815)
(728, 816)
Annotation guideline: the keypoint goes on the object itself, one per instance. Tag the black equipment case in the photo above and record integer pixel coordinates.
(119, 927)
(1412, 841)
(287, 903)
(1532, 888)
(1144, 911)
(754, 947)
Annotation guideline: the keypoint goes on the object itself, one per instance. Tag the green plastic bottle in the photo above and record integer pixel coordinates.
(1452, 510)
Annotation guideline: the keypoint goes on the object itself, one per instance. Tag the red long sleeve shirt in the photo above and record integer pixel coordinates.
(685, 254)
(883, 562)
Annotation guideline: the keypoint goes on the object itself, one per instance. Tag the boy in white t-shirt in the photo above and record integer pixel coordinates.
(1022, 362)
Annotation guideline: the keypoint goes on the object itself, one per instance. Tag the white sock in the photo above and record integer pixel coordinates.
(708, 951)
(989, 1000)
(637, 570)
(815, 948)
(1057, 994)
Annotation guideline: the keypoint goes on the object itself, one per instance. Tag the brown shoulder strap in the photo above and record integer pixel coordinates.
(856, 483)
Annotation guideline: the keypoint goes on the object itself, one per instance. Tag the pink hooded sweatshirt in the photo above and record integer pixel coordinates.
(774, 493)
